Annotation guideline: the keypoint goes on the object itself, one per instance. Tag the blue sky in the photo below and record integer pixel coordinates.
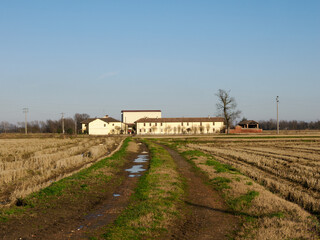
(100, 57)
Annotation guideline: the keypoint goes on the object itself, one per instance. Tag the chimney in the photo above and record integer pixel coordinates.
(106, 116)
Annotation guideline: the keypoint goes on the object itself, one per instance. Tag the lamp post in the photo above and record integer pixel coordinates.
(277, 99)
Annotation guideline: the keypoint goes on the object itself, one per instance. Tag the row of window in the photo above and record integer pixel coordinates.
(106, 124)
(171, 130)
(182, 123)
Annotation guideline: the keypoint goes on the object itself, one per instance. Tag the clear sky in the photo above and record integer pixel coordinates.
(101, 57)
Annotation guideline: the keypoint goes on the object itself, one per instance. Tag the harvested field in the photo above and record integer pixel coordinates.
(288, 167)
(273, 183)
(29, 164)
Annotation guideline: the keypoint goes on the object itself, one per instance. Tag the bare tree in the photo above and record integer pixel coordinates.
(79, 117)
(208, 127)
(227, 107)
(154, 129)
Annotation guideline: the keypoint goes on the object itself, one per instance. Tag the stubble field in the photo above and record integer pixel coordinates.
(272, 182)
(289, 167)
(29, 164)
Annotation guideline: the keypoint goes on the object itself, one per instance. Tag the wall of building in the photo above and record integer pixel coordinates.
(179, 127)
(99, 127)
(131, 117)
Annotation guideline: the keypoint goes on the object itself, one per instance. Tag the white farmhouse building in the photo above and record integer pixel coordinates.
(179, 125)
(101, 126)
(129, 117)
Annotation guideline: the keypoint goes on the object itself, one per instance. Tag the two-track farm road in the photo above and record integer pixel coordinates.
(206, 213)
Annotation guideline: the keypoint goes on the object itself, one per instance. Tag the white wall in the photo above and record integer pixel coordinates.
(179, 127)
(99, 127)
(131, 117)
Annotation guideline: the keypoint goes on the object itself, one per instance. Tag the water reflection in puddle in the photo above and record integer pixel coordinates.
(136, 169)
(141, 159)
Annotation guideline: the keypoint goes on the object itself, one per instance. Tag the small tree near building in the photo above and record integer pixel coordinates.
(208, 127)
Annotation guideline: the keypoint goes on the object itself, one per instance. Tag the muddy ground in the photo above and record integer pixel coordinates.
(65, 219)
(204, 213)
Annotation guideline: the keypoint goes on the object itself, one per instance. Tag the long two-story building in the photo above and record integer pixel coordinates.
(179, 125)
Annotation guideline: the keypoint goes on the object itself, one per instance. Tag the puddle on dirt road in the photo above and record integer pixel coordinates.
(141, 159)
(136, 169)
(119, 198)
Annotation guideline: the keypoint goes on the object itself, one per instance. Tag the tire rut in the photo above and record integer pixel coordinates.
(206, 214)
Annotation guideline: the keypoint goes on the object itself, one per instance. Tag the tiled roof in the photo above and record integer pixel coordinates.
(248, 122)
(140, 110)
(109, 119)
(188, 119)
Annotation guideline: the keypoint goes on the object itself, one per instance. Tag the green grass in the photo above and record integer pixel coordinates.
(72, 187)
(151, 204)
(243, 201)
(220, 183)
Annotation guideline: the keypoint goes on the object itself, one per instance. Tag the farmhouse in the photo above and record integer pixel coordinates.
(101, 126)
(179, 125)
(130, 116)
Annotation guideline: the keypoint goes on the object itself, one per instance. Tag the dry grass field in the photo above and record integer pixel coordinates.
(275, 181)
(289, 167)
(29, 164)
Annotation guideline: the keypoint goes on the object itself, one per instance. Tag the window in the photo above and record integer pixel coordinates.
(161, 124)
(140, 130)
(213, 123)
(161, 130)
(104, 125)
(150, 124)
(144, 130)
(200, 123)
(182, 124)
(187, 124)
(150, 130)
(112, 124)
(155, 124)
(144, 124)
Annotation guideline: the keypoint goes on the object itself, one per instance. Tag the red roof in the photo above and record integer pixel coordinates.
(140, 110)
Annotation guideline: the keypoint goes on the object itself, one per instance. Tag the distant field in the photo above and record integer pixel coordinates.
(28, 163)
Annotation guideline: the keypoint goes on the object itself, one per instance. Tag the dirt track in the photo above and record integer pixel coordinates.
(206, 215)
(66, 221)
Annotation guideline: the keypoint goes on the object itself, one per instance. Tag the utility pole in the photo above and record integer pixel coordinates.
(277, 99)
(4, 127)
(62, 121)
(25, 111)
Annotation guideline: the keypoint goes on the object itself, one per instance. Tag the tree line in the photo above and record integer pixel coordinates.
(71, 125)
(289, 125)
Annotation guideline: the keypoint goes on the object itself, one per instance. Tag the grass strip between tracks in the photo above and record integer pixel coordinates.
(84, 186)
(264, 215)
(153, 206)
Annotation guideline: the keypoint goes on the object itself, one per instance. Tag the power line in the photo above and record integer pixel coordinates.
(277, 99)
(25, 111)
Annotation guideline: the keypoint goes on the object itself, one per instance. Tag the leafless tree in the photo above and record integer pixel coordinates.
(227, 107)
(78, 118)
(154, 129)
(179, 129)
(118, 129)
(208, 127)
